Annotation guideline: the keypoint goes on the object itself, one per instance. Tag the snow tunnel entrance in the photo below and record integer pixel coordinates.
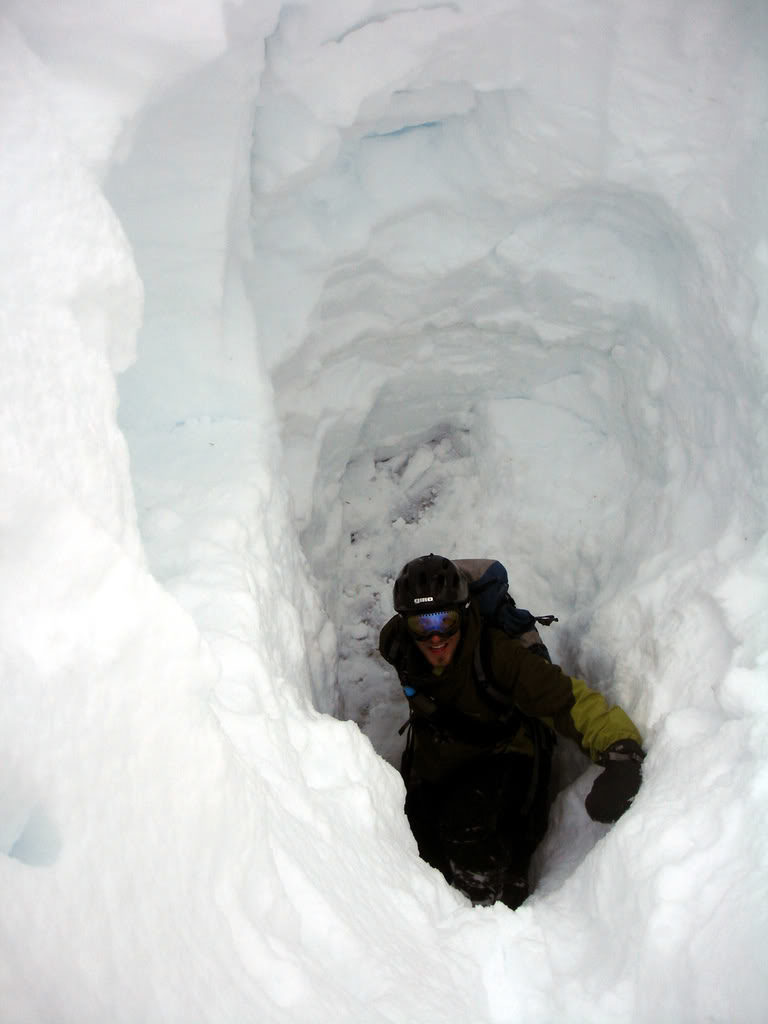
(424, 462)
(449, 460)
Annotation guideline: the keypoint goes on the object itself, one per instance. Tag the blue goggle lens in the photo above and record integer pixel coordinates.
(445, 623)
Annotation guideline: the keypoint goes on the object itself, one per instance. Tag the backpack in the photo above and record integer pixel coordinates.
(489, 592)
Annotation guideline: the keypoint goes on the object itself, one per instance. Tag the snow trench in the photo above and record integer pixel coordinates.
(486, 279)
(554, 385)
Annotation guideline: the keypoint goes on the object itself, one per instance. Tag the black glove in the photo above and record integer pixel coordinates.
(615, 787)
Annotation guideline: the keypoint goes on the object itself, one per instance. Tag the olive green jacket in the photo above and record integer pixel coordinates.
(528, 681)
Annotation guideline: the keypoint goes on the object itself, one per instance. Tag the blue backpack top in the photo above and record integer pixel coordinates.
(489, 592)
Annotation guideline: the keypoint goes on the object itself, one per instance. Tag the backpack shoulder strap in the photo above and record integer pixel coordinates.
(541, 736)
(500, 701)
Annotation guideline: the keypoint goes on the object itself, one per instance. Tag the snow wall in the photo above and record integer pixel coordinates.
(374, 279)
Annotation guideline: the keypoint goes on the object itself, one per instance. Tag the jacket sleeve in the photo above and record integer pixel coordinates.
(576, 711)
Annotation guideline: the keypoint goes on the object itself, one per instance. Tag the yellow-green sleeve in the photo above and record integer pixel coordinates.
(574, 709)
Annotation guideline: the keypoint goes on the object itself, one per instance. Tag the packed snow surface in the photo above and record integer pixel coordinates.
(292, 293)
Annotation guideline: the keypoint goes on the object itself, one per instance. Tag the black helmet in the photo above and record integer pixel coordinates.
(428, 583)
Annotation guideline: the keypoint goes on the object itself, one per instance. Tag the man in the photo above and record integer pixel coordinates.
(483, 706)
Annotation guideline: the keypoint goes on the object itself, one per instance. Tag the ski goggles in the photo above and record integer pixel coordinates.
(423, 626)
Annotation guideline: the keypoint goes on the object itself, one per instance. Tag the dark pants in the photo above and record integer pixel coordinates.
(481, 826)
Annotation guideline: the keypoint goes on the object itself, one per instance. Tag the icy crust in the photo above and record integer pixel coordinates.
(504, 280)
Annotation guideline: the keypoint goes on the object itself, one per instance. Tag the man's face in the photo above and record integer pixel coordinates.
(439, 650)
